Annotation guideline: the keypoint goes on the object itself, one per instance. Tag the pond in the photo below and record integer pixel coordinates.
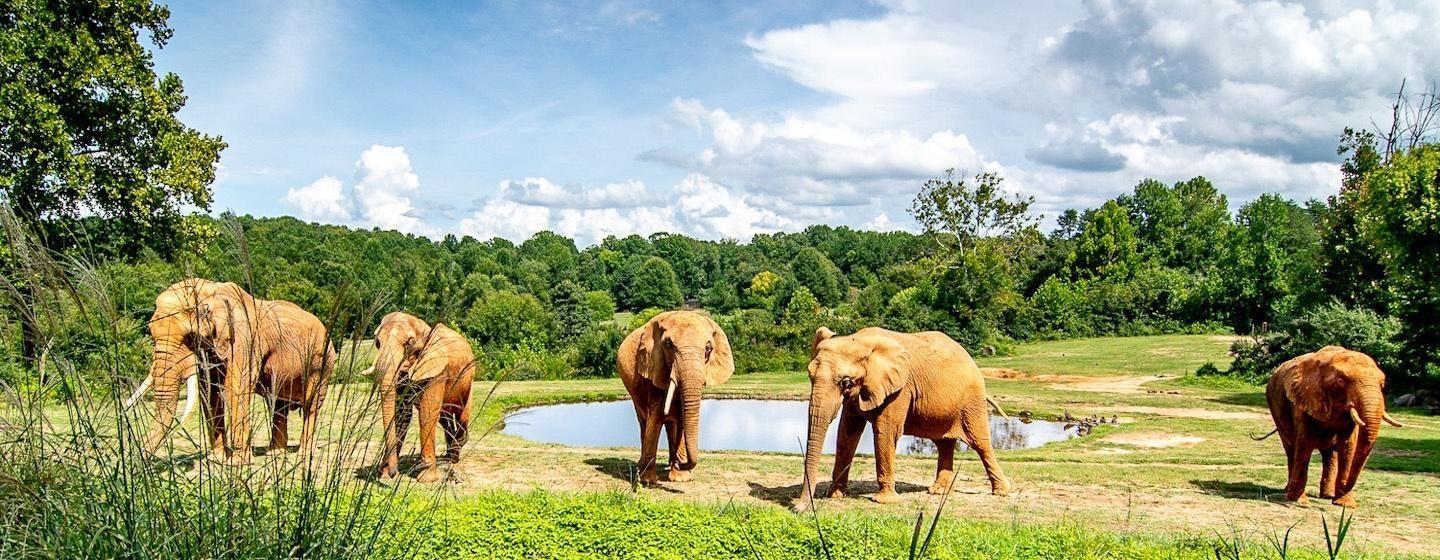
(740, 425)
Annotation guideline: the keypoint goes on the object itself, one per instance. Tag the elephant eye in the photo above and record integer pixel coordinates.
(845, 382)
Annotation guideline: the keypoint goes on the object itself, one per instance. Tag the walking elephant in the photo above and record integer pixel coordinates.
(921, 384)
(675, 352)
(1330, 400)
(429, 369)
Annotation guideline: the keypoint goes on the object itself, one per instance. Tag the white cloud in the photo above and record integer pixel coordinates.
(505, 218)
(380, 197)
(696, 206)
(541, 192)
(384, 183)
(322, 200)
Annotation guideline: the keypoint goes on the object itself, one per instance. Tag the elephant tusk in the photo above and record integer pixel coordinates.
(139, 391)
(192, 394)
(368, 371)
(669, 396)
(1391, 421)
(1356, 417)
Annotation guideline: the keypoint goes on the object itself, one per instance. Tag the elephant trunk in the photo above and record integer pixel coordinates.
(692, 379)
(1371, 410)
(172, 362)
(823, 409)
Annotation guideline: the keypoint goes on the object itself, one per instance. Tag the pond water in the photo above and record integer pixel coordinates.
(740, 425)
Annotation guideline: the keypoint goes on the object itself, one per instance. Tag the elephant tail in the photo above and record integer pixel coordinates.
(1272, 432)
(996, 406)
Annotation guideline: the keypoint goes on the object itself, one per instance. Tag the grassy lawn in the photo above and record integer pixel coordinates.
(1177, 471)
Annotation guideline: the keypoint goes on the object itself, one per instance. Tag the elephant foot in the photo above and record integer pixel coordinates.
(1327, 495)
(217, 456)
(837, 490)
(387, 473)
(942, 486)
(239, 460)
(1347, 500)
(276, 449)
(1000, 488)
(886, 496)
(452, 456)
(1300, 499)
(429, 475)
(649, 478)
(677, 475)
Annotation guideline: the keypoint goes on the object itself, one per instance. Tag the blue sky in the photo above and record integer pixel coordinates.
(722, 120)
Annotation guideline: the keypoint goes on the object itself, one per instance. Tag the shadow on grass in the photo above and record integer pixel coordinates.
(785, 496)
(1239, 490)
(407, 469)
(623, 469)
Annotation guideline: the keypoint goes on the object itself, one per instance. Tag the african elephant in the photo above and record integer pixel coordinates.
(676, 351)
(424, 367)
(921, 384)
(273, 348)
(173, 327)
(217, 334)
(1330, 400)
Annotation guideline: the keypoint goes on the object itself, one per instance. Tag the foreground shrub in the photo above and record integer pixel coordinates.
(1361, 330)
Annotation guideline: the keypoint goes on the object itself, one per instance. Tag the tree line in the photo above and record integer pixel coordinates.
(96, 166)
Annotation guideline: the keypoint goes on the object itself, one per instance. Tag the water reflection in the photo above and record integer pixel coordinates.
(742, 425)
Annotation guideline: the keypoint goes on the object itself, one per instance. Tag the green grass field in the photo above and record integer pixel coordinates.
(1174, 477)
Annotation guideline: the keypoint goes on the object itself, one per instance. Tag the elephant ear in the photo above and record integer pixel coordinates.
(225, 322)
(1313, 384)
(887, 370)
(722, 361)
(433, 354)
(656, 370)
(822, 334)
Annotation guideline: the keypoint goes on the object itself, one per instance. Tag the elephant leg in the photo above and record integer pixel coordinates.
(976, 425)
(944, 467)
(847, 439)
(1328, 459)
(214, 416)
(649, 441)
(279, 425)
(1299, 470)
(430, 402)
(675, 437)
(239, 391)
(456, 421)
(311, 415)
(887, 436)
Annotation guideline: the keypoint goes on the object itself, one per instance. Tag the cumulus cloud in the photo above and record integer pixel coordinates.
(323, 200)
(381, 196)
(697, 206)
(541, 192)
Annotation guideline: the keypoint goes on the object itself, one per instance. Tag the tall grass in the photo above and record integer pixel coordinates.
(75, 482)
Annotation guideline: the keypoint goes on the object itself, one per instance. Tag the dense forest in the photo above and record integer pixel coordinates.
(1355, 269)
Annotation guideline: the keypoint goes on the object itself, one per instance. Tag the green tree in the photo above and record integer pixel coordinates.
(599, 306)
(572, 318)
(654, 285)
(1181, 226)
(972, 210)
(823, 279)
(508, 319)
(1107, 246)
(1273, 263)
(1402, 217)
(87, 126)
(803, 307)
(1354, 273)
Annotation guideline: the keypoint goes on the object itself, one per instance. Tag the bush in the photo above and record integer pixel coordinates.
(1361, 330)
(595, 351)
(526, 361)
(506, 318)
